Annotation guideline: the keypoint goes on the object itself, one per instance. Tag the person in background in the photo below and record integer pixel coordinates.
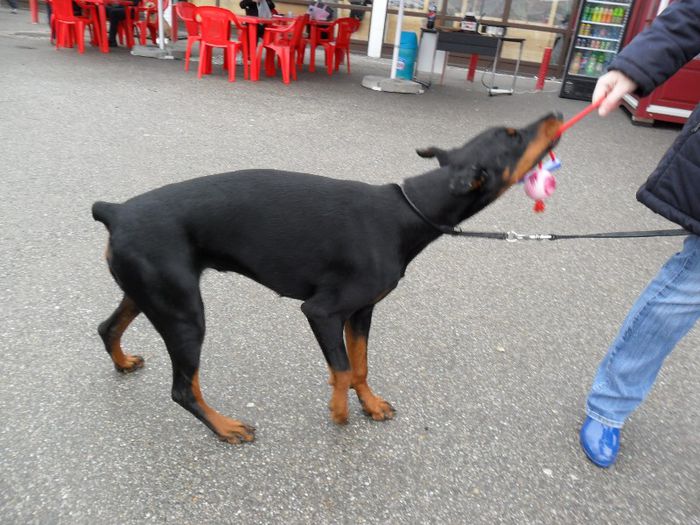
(251, 9)
(116, 13)
(13, 6)
(670, 305)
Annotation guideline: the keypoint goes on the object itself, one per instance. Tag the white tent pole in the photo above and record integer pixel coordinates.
(161, 21)
(397, 39)
(377, 25)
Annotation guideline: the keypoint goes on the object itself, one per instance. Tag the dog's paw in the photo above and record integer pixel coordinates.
(130, 363)
(378, 409)
(234, 432)
(339, 411)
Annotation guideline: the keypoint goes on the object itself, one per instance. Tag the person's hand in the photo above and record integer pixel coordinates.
(612, 86)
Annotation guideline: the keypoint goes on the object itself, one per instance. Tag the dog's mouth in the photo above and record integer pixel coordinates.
(545, 136)
(556, 122)
(548, 130)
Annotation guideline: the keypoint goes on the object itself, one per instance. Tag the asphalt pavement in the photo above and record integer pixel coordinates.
(486, 348)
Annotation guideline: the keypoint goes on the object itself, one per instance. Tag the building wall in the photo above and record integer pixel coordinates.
(543, 23)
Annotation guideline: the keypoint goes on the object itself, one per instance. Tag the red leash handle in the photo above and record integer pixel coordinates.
(573, 120)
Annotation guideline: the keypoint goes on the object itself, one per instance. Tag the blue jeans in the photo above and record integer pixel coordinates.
(661, 316)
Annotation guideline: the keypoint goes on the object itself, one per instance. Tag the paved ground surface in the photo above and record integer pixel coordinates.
(486, 348)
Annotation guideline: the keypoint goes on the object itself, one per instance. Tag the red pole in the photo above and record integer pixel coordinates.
(543, 68)
(34, 10)
(472, 67)
(173, 26)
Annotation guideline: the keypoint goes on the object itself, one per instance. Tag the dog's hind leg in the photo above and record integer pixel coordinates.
(356, 336)
(171, 300)
(328, 329)
(111, 332)
(181, 324)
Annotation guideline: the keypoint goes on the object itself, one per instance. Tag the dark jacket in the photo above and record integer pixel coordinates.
(672, 40)
(251, 7)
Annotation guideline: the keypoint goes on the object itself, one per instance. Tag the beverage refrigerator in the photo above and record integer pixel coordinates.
(600, 29)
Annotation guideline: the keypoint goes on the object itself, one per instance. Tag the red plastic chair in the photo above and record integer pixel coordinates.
(186, 12)
(144, 18)
(69, 28)
(339, 48)
(125, 31)
(319, 35)
(215, 31)
(282, 42)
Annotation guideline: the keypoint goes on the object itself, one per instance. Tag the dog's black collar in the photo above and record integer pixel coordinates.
(448, 230)
(439, 227)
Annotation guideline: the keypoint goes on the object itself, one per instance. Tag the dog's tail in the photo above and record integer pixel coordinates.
(427, 153)
(105, 212)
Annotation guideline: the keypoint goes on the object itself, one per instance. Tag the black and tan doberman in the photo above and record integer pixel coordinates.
(339, 246)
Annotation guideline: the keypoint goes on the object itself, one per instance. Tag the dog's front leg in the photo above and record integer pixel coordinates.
(356, 336)
(328, 329)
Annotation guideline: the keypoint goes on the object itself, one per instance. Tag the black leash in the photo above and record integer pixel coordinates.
(512, 236)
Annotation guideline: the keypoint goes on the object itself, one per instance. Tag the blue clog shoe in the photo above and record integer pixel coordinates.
(600, 442)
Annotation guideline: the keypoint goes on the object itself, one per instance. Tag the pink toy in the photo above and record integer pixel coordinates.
(539, 183)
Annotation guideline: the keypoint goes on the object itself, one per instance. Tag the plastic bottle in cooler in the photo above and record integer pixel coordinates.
(584, 63)
(590, 65)
(575, 64)
(599, 65)
(619, 15)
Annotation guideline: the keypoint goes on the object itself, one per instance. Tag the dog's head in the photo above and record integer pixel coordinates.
(497, 158)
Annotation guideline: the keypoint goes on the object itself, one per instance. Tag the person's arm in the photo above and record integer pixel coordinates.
(672, 40)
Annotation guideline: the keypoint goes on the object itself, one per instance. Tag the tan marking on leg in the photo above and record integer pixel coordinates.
(227, 429)
(338, 404)
(123, 362)
(373, 405)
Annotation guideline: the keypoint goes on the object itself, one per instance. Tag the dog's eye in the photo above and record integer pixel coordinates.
(514, 135)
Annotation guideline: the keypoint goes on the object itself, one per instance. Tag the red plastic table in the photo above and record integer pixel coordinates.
(251, 23)
(102, 19)
(315, 28)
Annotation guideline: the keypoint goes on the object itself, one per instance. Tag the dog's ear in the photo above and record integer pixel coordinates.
(429, 153)
(464, 179)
